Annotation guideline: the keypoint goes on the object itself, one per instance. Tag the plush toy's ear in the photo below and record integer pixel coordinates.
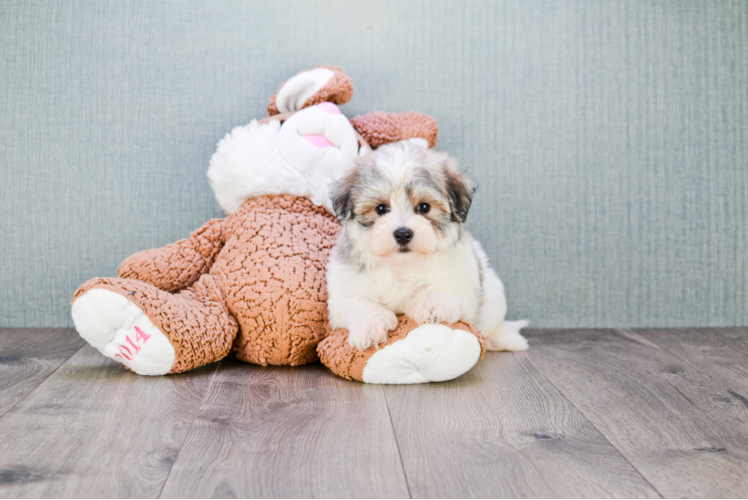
(379, 128)
(310, 87)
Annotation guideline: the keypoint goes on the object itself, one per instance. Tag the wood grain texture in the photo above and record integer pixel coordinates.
(584, 413)
(685, 433)
(28, 356)
(718, 356)
(97, 430)
(502, 430)
(738, 336)
(288, 432)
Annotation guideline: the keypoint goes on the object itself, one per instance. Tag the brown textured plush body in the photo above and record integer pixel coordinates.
(272, 272)
(252, 284)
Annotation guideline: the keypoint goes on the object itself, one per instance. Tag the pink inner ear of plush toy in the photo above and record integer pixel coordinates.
(318, 140)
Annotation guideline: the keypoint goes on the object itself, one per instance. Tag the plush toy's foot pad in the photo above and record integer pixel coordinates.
(412, 354)
(133, 321)
(430, 353)
(120, 330)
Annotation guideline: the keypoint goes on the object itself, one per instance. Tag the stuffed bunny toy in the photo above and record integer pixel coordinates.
(252, 285)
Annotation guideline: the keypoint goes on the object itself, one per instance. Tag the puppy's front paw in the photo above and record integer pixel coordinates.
(371, 330)
(430, 309)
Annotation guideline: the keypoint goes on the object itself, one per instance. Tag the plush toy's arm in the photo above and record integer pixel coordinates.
(379, 128)
(180, 264)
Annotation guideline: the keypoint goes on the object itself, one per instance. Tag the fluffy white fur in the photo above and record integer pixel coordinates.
(258, 159)
(440, 275)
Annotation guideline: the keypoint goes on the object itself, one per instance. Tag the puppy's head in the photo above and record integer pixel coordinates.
(403, 199)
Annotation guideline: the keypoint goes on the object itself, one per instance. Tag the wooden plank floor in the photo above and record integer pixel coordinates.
(583, 413)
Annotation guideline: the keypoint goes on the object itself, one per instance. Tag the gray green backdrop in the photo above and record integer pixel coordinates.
(610, 139)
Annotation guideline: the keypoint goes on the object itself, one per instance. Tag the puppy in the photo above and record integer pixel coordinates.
(403, 249)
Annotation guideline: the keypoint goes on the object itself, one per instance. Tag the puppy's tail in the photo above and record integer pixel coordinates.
(506, 337)
(513, 326)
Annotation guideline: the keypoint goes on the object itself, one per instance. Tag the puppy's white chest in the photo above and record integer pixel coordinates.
(394, 289)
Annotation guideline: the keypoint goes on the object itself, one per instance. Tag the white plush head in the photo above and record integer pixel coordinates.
(402, 201)
(303, 156)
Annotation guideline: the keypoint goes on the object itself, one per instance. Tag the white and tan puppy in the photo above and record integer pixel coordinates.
(404, 249)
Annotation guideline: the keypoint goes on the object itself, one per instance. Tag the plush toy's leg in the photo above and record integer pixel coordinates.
(412, 354)
(151, 331)
(380, 128)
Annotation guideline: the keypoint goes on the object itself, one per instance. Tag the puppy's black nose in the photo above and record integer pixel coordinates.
(403, 236)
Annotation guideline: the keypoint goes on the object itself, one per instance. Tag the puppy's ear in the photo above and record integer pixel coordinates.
(460, 189)
(340, 194)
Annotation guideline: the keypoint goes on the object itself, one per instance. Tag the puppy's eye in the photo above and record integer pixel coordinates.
(382, 209)
(423, 208)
